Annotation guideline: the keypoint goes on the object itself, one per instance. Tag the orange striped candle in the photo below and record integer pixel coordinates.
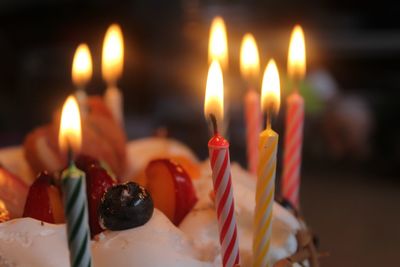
(294, 120)
(265, 190)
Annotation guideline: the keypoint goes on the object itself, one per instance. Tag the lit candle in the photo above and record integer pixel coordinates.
(218, 43)
(265, 190)
(82, 73)
(218, 51)
(294, 120)
(112, 66)
(221, 170)
(74, 187)
(250, 69)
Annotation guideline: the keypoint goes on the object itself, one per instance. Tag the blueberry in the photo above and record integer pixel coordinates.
(125, 206)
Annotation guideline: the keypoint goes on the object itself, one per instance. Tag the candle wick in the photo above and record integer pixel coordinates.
(214, 123)
(296, 85)
(269, 119)
(70, 154)
(112, 84)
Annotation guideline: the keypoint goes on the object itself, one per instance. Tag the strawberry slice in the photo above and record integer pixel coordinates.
(84, 162)
(97, 183)
(44, 200)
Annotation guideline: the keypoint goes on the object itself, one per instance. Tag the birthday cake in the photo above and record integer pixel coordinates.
(77, 193)
(150, 204)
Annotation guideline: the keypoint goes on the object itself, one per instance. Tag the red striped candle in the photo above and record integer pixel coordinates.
(224, 203)
(218, 149)
(293, 146)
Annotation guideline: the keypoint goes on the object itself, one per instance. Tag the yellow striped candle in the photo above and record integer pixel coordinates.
(265, 191)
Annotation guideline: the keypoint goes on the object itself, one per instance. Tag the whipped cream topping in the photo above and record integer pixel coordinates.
(157, 243)
(27, 242)
(140, 152)
(201, 223)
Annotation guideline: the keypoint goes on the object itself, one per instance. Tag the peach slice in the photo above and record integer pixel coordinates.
(56, 204)
(191, 167)
(171, 189)
(13, 192)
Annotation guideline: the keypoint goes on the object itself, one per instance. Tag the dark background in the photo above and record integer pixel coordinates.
(351, 185)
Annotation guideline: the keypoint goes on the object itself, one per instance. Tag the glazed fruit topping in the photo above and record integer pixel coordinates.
(44, 200)
(171, 188)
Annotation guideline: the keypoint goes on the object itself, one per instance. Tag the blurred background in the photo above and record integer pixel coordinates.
(351, 185)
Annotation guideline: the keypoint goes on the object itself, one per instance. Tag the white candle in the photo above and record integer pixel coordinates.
(112, 66)
(82, 73)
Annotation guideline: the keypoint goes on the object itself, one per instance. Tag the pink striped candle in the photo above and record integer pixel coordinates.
(253, 127)
(250, 69)
(294, 119)
(221, 174)
(293, 146)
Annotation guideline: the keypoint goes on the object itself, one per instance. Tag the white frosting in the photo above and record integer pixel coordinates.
(141, 152)
(201, 223)
(158, 242)
(28, 242)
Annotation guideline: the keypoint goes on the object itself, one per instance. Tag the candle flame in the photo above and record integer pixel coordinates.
(297, 54)
(249, 58)
(82, 66)
(70, 126)
(214, 99)
(270, 92)
(218, 43)
(113, 54)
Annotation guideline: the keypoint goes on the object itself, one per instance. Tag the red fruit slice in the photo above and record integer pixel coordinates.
(97, 183)
(192, 168)
(84, 162)
(4, 213)
(56, 204)
(13, 192)
(171, 189)
(43, 198)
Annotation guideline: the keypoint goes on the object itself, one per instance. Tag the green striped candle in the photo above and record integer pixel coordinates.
(76, 211)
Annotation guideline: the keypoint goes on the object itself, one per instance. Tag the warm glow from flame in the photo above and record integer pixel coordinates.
(82, 66)
(214, 100)
(297, 54)
(70, 126)
(113, 54)
(249, 58)
(271, 88)
(218, 43)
